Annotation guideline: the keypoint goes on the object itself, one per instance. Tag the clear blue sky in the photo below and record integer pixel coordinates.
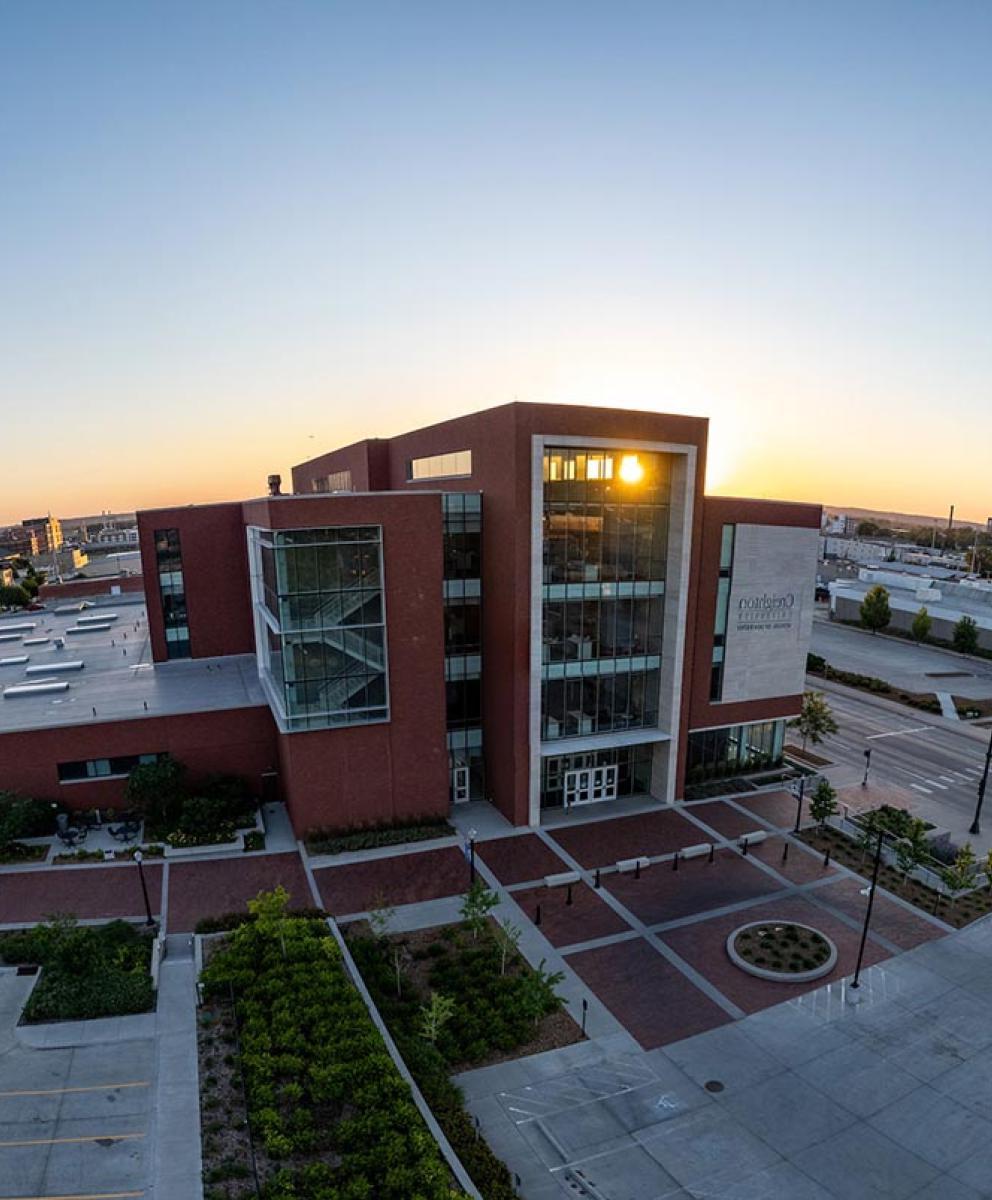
(235, 234)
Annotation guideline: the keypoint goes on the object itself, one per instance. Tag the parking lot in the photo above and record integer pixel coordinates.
(74, 1122)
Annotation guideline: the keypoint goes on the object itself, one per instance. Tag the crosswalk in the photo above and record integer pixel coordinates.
(944, 783)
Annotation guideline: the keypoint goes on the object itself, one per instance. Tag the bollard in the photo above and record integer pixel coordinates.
(568, 895)
(537, 916)
(936, 902)
(826, 858)
(785, 851)
(637, 869)
(585, 1009)
(712, 851)
(597, 877)
(675, 861)
(744, 847)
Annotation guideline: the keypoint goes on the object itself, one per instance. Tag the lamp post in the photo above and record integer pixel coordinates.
(864, 782)
(799, 803)
(856, 981)
(975, 826)
(138, 856)
(471, 856)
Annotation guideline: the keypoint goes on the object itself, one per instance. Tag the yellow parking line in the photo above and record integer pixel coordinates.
(103, 1087)
(96, 1137)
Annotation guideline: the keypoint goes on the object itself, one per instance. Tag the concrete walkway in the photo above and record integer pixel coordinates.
(812, 1099)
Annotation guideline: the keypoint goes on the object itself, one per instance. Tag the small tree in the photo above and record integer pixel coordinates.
(988, 871)
(536, 994)
(823, 802)
(870, 825)
(875, 610)
(507, 937)
(815, 721)
(380, 916)
(269, 908)
(965, 636)
(158, 789)
(434, 1016)
(960, 875)
(922, 624)
(14, 596)
(911, 849)
(478, 904)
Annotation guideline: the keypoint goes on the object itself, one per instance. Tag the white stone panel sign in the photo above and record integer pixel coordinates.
(770, 616)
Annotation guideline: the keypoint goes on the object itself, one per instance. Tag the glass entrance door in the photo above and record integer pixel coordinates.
(459, 785)
(590, 785)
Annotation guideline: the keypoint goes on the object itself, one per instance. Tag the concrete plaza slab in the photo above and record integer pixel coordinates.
(398, 879)
(519, 859)
(654, 999)
(702, 944)
(222, 885)
(602, 843)
(663, 894)
(87, 892)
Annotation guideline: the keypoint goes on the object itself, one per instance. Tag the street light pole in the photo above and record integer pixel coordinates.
(144, 887)
(471, 856)
(864, 782)
(856, 981)
(799, 803)
(975, 826)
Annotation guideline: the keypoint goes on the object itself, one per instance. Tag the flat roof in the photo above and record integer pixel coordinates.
(119, 686)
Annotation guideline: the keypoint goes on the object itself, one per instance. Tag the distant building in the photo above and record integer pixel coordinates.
(49, 531)
(111, 535)
(19, 540)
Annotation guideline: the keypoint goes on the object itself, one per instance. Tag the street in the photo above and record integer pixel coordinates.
(936, 762)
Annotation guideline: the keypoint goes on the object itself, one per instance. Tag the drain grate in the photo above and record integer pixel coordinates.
(713, 1085)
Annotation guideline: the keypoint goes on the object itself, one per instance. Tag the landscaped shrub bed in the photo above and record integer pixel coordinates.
(846, 850)
(338, 841)
(816, 665)
(782, 946)
(500, 1008)
(331, 1116)
(87, 971)
(234, 920)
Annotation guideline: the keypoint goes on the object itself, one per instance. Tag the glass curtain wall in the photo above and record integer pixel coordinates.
(463, 642)
(172, 590)
(319, 597)
(735, 750)
(605, 549)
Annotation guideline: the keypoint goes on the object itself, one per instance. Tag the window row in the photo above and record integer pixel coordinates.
(735, 750)
(464, 702)
(592, 629)
(601, 704)
(605, 543)
(337, 481)
(583, 476)
(440, 466)
(323, 568)
(172, 593)
(102, 768)
(463, 627)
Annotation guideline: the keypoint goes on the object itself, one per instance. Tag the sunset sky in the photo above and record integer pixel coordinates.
(235, 234)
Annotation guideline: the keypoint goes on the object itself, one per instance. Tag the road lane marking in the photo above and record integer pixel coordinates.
(940, 786)
(96, 1137)
(898, 732)
(926, 791)
(106, 1087)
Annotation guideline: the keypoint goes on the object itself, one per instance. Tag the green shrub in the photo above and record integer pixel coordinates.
(339, 841)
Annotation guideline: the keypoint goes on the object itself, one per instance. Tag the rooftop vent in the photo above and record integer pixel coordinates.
(275, 485)
(35, 689)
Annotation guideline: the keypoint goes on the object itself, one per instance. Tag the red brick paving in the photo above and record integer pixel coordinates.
(653, 999)
(30, 896)
(520, 859)
(587, 917)
(402, 879)
(703, 946)
(602, 843)
(723, 819)
(662, 894)
(222, 885)
(801, 866)
(905, 929)
(777, 808)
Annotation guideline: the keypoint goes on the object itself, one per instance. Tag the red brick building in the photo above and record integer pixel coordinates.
(534, 605)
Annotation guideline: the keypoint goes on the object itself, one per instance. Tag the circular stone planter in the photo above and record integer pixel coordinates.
(776, 930)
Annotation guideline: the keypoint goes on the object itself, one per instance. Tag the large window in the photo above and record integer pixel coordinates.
(172, 590)
(103, 768)
(337, 481)
(727, 536)
(463, 641)
(605, 552)
(320, 624)
(735, 750)
(454, 465)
